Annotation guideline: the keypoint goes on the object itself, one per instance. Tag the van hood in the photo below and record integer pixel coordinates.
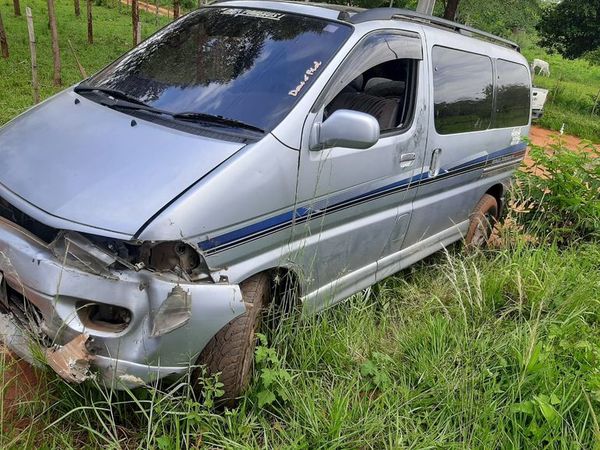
(86, 163)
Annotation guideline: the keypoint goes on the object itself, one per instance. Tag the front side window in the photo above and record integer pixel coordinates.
(247, 65)
(513, 94)
(462, 91)
(378, 78)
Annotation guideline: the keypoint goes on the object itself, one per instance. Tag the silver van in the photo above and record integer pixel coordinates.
(149, 214)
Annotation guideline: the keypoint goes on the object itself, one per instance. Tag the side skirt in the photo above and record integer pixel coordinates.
(370, 274)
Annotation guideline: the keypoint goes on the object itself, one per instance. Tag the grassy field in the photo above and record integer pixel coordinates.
(112, 38)
(574, 87)
(493, 349)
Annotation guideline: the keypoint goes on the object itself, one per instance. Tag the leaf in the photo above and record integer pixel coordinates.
(164, 442)
(548, 411)
(368, 368)
(525, 407)
(268, 376)
(265, 398)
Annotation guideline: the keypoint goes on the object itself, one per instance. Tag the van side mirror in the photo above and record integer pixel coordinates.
(345, 128)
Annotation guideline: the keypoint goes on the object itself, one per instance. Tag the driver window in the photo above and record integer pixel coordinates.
(378, 78)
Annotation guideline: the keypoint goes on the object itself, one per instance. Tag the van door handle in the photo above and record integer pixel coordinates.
(434, 167)
(407, 159)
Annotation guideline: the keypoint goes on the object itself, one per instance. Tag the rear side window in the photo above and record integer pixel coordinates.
(462, 91)
(513, 94)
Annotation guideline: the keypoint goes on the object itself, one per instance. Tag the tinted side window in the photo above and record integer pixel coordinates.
(513, 94)
(462, 91)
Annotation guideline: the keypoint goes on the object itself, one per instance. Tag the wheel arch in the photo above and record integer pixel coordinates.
(285, 284)
(498, 191)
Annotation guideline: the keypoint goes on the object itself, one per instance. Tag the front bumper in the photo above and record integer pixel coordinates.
(127, 357)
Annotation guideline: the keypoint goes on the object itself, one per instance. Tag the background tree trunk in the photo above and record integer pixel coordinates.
(54, 38)
(34, 78)
(451, 9)
(3, 41)
(77, 8)
(17, 7)
(176, 8)
(90, 22)
(135, 19)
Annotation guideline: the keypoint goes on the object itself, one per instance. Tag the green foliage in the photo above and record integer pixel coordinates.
(112, 37)
(592, 56)
(564, 186)
(273, 379)
(571, 27)
(374, 371)
(573, 88)
(500, 17)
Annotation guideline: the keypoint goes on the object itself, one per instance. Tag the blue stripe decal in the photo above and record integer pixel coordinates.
(303, 213)
(246, 231)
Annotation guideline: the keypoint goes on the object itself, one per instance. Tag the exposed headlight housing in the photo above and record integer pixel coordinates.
(100, 256)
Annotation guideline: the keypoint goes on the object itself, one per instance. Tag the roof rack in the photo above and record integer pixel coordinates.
(413, 16)
(332, 6)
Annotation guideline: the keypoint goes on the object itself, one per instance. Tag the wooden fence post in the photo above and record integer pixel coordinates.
(176, 8)
(54, 37)
(135, 20)
(157, 11)
(90, 27)
(3, 40)
(34, 77)
(79, 66)
(77, 8)
(17, 6)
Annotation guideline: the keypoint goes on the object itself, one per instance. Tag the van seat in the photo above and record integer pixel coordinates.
(385, 110)
(384, 87)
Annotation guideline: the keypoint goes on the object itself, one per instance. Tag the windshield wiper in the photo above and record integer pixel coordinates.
(212, 118)
(114, 93)
(121, 100)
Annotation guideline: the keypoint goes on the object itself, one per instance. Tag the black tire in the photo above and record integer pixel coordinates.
(482, 221)
(231, 350)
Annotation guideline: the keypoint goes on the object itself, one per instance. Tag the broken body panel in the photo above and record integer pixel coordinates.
(38, 282)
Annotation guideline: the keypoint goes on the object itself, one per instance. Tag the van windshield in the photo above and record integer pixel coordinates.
(247, 65)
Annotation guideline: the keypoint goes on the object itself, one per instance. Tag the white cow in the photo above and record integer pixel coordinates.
(542, 65)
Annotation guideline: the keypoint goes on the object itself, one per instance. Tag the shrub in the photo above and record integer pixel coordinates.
(563, 187)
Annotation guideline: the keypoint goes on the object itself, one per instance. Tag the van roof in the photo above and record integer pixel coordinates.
(355, 15)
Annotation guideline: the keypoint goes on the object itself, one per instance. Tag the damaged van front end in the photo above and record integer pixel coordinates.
(91, 312)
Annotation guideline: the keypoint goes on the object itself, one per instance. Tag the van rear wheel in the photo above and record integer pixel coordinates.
(231, 351)
(483, 219)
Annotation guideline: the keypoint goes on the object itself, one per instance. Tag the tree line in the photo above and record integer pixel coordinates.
(570, 27)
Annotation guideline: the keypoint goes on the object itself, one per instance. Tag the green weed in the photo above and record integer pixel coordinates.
(563, 187)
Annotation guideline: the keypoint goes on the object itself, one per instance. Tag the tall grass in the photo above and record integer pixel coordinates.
(485, 350)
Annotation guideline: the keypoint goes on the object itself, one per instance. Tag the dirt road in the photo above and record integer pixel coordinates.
(542, 137)
(145, 6)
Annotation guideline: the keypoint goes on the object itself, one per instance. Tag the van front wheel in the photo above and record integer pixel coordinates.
(483, 218)
(231, 351)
